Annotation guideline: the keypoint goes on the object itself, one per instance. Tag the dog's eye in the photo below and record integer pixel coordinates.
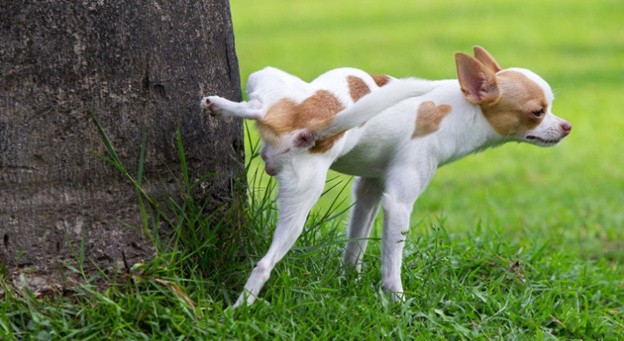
(538, 113)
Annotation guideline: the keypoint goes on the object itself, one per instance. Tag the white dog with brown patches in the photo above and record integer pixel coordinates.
(392, 134)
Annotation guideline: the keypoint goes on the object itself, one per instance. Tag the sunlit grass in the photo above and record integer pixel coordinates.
(516, 189)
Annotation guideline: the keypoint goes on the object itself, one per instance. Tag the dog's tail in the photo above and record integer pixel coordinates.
(376, 102)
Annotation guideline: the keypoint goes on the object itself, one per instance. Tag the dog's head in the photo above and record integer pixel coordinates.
(516, 102)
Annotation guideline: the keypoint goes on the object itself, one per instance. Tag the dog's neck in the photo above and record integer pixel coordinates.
(465, 130)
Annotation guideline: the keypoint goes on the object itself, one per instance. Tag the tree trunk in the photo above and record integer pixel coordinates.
(135, 64)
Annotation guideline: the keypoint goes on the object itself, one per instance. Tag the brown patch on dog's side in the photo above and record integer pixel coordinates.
(512, 114)
(357, 88)
(381, 80)
(428, 118)
(314, 113)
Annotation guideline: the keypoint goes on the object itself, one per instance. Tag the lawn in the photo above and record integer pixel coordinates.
(571, 194)
(517, 242)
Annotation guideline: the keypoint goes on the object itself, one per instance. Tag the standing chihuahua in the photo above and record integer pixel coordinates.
(392, 134)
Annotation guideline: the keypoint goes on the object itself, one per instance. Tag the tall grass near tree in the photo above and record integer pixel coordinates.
(513, 243)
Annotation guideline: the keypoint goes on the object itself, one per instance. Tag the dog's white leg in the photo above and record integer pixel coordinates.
(366, 195)
(401, 190)
(222, 107)
(396, 223)
(298, 190)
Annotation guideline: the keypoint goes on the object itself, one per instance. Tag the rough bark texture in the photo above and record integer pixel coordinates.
(135, 64)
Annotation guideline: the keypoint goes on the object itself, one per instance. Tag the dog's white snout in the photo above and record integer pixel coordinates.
(550, 132)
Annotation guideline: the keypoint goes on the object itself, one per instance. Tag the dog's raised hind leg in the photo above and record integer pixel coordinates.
(299, 189)
(220, 106)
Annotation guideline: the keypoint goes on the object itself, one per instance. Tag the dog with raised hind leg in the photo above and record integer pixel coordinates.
(391, 134)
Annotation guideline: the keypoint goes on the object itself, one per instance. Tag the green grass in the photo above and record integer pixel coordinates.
(513, 243)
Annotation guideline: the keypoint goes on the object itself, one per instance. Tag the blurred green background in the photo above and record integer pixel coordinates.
(571, 195)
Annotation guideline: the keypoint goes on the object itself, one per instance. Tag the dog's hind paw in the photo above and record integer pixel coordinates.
(208, 104)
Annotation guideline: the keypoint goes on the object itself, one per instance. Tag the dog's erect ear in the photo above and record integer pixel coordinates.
(477, 81)
(486, 58)
(304, 139)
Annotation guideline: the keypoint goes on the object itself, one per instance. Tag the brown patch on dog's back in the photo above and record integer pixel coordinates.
(381, 80)
(512, 113)
(428, 118)
(314, 113)
(357, 88)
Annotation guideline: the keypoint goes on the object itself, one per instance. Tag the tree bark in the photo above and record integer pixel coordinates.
(134, 64)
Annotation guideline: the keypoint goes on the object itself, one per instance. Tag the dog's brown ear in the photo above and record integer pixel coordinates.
(477, 81)
(486, 58)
